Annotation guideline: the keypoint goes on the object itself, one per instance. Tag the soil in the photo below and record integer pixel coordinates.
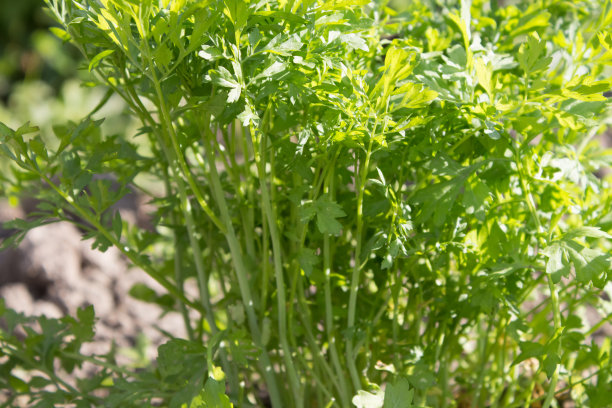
(53, 272)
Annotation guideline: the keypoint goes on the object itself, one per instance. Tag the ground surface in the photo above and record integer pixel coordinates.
(53, 272)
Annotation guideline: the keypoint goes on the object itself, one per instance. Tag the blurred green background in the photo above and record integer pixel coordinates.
(41, 80)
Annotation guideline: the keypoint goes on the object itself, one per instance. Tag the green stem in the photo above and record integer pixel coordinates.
(329, 318)
(178, 269)
(270, 216)
(183, 168)
(197, 257)
(240, 267)
(352, 306)
(551, 285)
(317, 355)
(484, 338)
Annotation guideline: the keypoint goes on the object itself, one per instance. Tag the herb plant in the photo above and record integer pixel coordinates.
(378, 208)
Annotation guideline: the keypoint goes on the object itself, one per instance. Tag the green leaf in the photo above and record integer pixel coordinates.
(117, 225)
(96, 60)
(530, 21)
(222, 77)
(84, 331)
(586, 231)
(272, 70)
(365, 399)
(38, 147)
(531, 55)
(180, 357)
(237, 313)
(586, 93)
(421, 378)
(554, 252)
(210, 53)
(341, 4)
(238, 12)
(398, 395)
(484, 73)
(354, 42)
(589, 263)
(213, 395)
(328, 212)
(142, 292)
(248, 116)
(61, 34)
(529, 349)
(413, 96)
(18, 384)
(306, 212)
(234, 94)
(550, 364)
(284, 45)
(475, 199)
(438, 199)
(308, 259)
(163, 55)
(399, 64)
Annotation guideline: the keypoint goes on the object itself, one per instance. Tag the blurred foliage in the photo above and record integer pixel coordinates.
(28, 51)
(42, 79)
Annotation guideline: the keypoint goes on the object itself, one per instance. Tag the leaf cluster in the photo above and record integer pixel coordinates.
(361, 196)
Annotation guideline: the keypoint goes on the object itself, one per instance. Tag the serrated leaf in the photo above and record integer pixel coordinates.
(234, 94)
(248, 116)
(327, 214)
(398, 395)
(306, 212)
(178, 356)
(399, 64)
(475, 199)
(84, 329)
(283, 45)
(308, 259)
(589, 263)
(238, 12)
(554, 253)
(532, 55)
(273, 69)
(222, 77)
(414, 96)
(354, 41)
(550, 364)
(421, 378)
(484, 73)
(340, 4)
(529, 349)
(117, 225)
(213, 395)
(163, 55)
(210, 53)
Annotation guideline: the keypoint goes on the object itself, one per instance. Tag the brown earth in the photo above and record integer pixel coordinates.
(53, 272)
